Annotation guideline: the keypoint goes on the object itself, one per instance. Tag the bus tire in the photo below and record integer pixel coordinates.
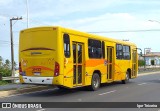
(126, 79)
(62, 88)
(95, 83)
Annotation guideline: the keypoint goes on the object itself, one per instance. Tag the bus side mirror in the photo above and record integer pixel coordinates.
(140, 53)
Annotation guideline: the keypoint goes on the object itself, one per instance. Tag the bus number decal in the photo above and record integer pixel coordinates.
(36, 70)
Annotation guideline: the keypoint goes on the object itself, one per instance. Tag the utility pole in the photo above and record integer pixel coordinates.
(12, 49)
(27, 8)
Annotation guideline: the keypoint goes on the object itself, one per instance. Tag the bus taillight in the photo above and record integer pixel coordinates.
(20, 68)
(56, 69)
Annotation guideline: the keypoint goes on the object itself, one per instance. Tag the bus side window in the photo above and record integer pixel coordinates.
(66, 40)
(103, 49)
(94, 48)
(126, 52)
(119, 51)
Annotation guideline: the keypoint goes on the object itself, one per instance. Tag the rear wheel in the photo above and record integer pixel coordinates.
(126, 79)
(95, 84)
(62, 88)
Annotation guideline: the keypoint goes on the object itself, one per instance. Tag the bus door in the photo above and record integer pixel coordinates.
(134, 63)
(78, 63)
(110, 63)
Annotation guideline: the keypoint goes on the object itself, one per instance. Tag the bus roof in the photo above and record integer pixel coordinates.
(75, 32)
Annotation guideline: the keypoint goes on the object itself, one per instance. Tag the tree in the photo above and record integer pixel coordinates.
(15, 64)
(7, 64)
(5, 68)
(141, 63)
(1, 61)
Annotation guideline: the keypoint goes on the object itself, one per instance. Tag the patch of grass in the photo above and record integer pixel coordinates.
(3, 82)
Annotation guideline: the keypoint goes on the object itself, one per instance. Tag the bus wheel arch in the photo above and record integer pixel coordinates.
(127, 76)
(129, 71)
(96, 80)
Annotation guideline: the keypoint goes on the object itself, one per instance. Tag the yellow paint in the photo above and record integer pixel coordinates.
(46, 44)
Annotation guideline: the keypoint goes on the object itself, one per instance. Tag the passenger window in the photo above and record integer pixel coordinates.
(103, 49)
(126, 52)
(66, 45)
(119, 51)
(94, 48)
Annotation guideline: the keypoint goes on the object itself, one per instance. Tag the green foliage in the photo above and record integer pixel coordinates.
(5, 67)
(1, 63)
(5, 72)
(141, 63)
(7, 64)
(3, 82)
(152, 62)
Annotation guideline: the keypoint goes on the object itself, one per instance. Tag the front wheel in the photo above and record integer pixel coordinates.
(126, 79)
(95, 84)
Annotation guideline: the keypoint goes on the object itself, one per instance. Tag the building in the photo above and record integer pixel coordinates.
(152, 58)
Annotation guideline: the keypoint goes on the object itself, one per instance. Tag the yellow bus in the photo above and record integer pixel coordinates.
(68, 58)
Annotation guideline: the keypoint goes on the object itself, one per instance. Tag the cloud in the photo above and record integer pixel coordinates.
(5, 2)
(61, 8)
(117, 22)
(56, 12)
(2, 17)
(108, 22)
(112, 21)
(87, 16)
(64, 7)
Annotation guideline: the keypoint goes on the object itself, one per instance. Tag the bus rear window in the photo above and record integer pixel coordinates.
(38, 40)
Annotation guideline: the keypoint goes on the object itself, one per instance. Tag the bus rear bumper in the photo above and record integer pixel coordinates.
(38, 80)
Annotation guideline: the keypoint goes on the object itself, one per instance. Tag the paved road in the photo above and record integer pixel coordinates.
(142, 89)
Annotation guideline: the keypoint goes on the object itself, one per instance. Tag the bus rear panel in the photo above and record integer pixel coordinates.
(38, 56)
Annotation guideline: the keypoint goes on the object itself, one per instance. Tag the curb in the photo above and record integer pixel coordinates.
(147, 73)
(23, 90)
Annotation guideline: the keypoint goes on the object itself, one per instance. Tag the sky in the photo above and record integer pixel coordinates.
(135, 20)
